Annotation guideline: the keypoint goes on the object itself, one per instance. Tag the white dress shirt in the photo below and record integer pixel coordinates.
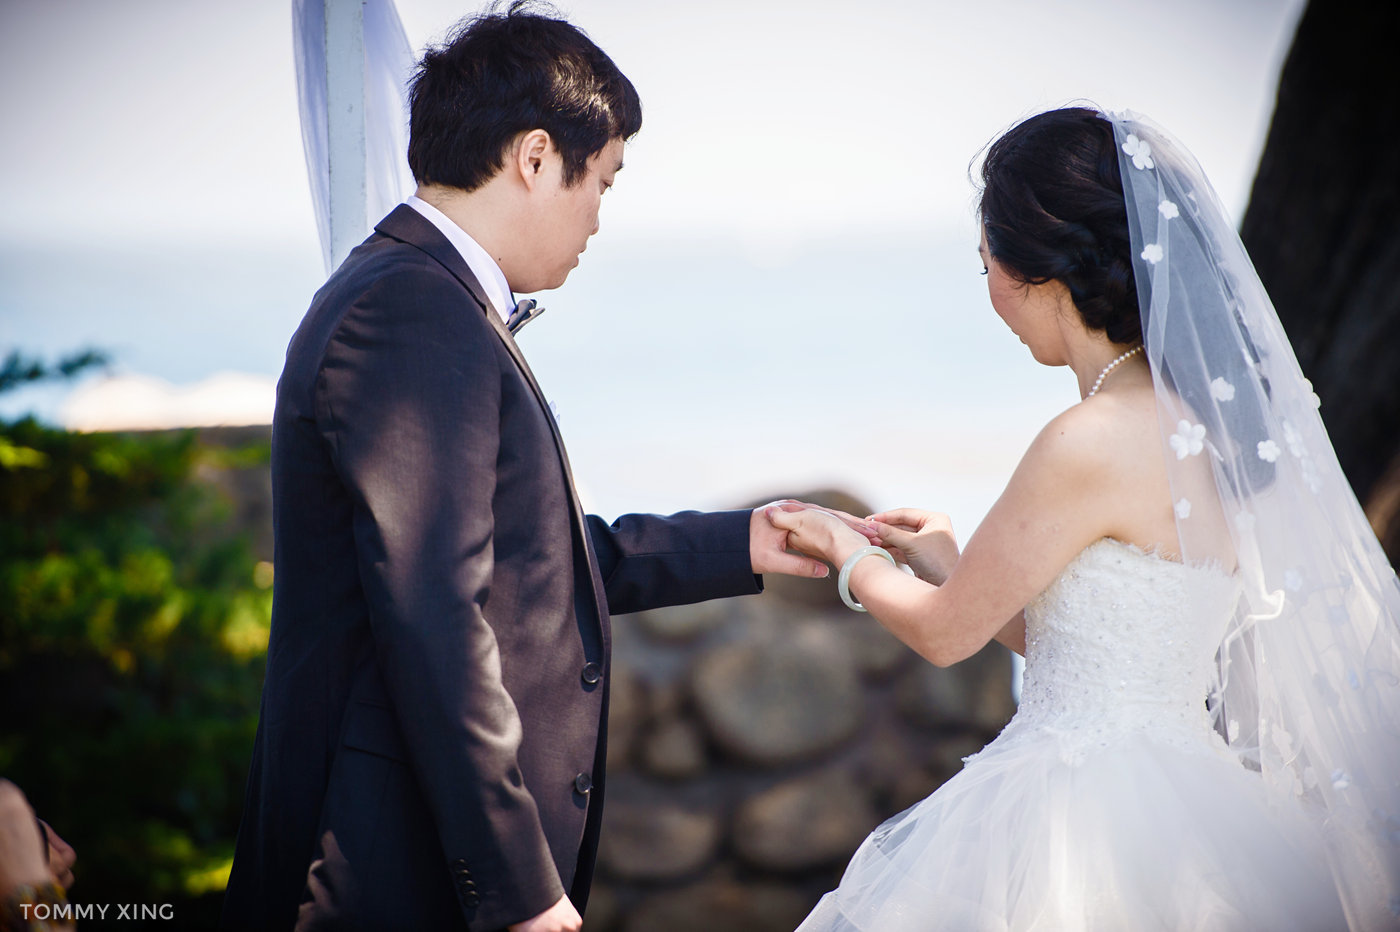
(487, 272)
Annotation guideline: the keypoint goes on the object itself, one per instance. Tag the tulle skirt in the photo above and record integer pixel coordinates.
(1138, 836)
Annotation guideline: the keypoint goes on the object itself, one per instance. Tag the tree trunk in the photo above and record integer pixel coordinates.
(1323, 228)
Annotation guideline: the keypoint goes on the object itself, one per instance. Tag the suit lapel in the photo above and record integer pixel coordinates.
(407, 225)
(599, 600)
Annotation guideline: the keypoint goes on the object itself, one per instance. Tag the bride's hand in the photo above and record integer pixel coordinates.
(923, 539)
(819, 532)
(860, 525)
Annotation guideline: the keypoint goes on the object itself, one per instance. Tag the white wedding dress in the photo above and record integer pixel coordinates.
(1108, 802)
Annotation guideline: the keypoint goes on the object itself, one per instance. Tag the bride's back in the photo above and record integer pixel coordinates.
(1146, 506)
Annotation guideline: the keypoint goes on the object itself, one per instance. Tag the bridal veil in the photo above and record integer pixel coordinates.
(1308, 684)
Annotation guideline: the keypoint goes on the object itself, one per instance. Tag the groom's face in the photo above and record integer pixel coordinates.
(567, 215)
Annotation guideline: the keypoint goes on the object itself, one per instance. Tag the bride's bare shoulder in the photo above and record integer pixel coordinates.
(1128, 416)
(1103, 436)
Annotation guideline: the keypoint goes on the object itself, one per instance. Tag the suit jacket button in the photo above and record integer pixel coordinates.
(592, 673)
(471, 899)
(583, 783)
(460, 864)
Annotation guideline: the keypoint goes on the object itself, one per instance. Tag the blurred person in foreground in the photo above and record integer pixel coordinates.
(36, 867)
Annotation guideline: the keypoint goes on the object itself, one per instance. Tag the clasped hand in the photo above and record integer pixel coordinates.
(923, 540)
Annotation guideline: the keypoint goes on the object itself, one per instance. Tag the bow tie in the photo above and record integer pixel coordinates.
(524, 312)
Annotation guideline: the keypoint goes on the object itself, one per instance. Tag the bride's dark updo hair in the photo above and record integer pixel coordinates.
(1052, 207)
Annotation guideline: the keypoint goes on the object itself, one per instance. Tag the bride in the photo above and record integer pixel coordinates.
(1209, 730)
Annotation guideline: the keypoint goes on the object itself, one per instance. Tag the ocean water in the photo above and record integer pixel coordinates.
(687, 373)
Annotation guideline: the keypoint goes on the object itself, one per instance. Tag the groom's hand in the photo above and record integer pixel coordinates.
(769, 546)
(561, 917)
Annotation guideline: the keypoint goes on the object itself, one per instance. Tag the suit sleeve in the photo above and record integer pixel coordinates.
(408, 398)
(651, 561)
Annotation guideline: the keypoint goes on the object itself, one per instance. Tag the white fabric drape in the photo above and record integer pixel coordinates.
(389, 65)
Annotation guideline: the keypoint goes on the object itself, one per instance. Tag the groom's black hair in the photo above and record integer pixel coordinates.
(507, 71)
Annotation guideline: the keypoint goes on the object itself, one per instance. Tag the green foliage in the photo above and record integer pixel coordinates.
(18, 369)
(133, 630)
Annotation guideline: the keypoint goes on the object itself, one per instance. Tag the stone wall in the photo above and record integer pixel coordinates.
(754, 742)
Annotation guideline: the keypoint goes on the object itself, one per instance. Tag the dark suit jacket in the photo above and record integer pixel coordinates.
(431, 743)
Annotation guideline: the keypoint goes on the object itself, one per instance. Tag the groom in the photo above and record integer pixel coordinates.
(432, 736)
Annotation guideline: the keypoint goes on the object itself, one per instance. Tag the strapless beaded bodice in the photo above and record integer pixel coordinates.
(1123, 642)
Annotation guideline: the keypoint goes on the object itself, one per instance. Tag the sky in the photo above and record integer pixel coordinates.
(784, 293)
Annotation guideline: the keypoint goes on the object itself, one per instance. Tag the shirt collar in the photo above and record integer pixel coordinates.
(487, 272)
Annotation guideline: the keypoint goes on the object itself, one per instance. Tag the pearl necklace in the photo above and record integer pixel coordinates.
(1110, 367)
